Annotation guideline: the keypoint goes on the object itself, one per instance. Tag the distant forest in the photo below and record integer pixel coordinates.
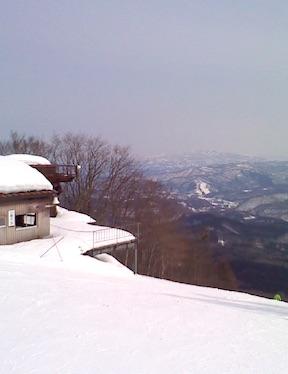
(112, 188)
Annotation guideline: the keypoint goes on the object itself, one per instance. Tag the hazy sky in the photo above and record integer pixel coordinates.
(161, 76)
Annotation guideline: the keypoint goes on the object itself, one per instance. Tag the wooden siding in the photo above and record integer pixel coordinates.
(11, 235)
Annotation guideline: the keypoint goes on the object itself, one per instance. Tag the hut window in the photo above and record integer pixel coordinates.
(2, 222)
(26, 220)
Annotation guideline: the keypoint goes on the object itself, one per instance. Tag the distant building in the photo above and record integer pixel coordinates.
(26, 197)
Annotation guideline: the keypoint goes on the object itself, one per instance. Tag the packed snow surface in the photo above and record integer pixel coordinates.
(16, 176)
(30, 159)
(60, 321)
(97, 317)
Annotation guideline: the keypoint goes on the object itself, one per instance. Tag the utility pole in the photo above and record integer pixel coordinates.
(136, 249)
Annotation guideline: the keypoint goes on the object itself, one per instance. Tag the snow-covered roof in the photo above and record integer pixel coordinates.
(30, 159)
(17, 176)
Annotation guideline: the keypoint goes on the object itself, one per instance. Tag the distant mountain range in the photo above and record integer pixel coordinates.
(209, 182)
(200, 158)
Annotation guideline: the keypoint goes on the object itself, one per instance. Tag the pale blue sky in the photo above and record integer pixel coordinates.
(162, 76)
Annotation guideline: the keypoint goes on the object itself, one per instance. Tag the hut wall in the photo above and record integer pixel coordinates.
(15, 234)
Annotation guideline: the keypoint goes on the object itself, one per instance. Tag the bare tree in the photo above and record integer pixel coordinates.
(91, 154)
(17, 143)
(114, 200)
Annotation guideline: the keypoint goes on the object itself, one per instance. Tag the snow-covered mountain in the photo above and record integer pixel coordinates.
(215, 182)
(97, 317)
(199, 158)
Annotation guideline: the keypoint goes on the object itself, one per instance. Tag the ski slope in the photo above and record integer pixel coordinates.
(97, 317)
(62, 321)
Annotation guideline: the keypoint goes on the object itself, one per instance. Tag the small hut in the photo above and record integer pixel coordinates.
(25, 200)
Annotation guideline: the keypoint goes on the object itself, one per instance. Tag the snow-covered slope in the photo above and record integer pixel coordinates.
(60, 321)
(202, 189)
(97, 317)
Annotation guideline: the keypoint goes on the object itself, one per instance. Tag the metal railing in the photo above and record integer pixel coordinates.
(71, 170)
(105, 238)
(113, 237)
(109, 234)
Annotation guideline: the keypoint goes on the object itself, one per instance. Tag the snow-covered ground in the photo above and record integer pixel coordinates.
(71, 236)
(97, 317)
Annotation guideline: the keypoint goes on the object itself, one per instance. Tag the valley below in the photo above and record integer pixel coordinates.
(238, 207)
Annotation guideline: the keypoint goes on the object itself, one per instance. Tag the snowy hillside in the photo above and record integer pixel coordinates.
(59, 318)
